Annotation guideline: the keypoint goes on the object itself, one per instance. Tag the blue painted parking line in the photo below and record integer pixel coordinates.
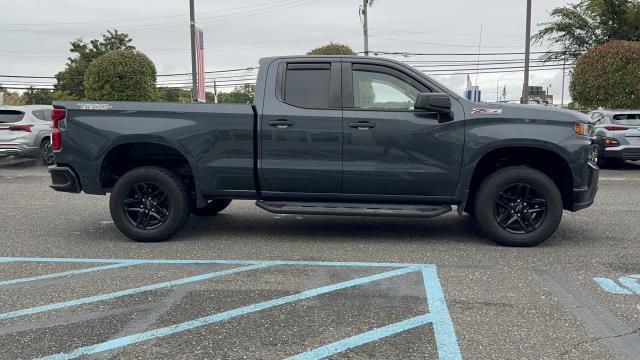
(66, 273)
(207, 320)
(437, 313)
(364, 338)
(626, 285)
(113, 295)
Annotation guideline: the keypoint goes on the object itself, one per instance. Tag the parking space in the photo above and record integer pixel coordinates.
(248, 284)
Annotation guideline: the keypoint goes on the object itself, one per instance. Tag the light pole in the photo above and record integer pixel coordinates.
(527, 57)
(194, 65)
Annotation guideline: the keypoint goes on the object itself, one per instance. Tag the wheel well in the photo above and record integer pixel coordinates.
(126, 157)
(43, 139)
(548, 162)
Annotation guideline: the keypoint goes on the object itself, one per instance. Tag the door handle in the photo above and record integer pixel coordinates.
(362, 125)
(281, 123)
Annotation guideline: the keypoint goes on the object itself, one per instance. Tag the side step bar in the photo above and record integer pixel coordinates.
(353, 209)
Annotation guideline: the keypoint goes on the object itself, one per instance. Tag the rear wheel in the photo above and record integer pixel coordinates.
(46, 154)
(149, 204)
(214, 207)
(518, 206)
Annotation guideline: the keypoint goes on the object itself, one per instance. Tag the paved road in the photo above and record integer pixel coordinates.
(314, 286)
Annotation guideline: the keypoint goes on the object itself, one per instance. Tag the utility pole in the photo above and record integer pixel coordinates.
(365, 24)
(194, 65)
(527, 57)
(564, 68)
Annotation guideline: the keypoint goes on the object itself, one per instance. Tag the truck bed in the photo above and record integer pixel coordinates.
(217, 140)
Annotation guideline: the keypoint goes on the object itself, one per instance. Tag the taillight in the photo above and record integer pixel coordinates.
(615, 128)
(56, 136)
(611, 142)
(25, 128)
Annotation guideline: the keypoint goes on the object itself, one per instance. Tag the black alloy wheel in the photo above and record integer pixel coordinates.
(150, 204)
(146, 206)
(520, 208)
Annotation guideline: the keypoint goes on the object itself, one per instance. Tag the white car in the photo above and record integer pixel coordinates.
(25, 131)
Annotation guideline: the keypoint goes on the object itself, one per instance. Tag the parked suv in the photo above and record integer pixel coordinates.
(617, 135)
(25, 131)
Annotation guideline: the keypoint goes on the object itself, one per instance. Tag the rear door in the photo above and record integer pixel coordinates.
(389, 149)
(301, 130)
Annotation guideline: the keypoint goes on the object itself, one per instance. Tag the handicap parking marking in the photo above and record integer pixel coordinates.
(626, 285)
(437, 313)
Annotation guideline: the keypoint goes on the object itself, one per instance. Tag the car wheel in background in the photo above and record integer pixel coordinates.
(214, 207)
(46, 154)
(150, 204)
(518, 206)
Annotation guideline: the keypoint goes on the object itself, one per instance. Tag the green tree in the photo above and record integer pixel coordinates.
(121, 75)
(166, 94)
(71, 79)
(580, 26)
(240, 95)
(39, 97)
(333, 49)
(11, 97)
(608, 76)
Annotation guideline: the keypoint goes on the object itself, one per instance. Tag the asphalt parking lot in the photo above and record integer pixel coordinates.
(249, 284)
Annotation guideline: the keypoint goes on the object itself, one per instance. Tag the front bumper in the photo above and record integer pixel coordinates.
(64, 179)
(585, 196)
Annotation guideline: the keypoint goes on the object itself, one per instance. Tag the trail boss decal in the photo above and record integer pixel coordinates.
(487, 111)
(94, 106)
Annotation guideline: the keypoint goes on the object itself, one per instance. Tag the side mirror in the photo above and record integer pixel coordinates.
(433, 102)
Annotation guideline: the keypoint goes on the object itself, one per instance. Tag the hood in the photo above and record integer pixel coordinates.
(517, 111)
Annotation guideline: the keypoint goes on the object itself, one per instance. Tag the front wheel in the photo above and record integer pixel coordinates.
(149, 204)
(518, 206)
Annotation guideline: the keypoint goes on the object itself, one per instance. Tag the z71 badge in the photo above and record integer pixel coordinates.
(487, 111)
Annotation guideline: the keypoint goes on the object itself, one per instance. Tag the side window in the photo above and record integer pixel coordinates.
(39, 114)
(308, 85)
(381, 91)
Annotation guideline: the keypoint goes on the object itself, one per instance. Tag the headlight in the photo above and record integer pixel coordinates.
(582, 129)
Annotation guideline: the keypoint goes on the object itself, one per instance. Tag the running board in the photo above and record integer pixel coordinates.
(353, 209)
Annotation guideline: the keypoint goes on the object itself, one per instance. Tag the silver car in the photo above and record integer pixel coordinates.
(25, 131)
(617, 135)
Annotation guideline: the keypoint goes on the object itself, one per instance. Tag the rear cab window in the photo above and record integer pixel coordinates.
(11, 116)
(627, 119)
(307, 85)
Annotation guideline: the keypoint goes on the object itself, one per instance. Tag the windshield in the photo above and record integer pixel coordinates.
(10, 116)
(627, 119)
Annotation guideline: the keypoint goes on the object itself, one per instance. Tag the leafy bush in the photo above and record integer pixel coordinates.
(121, 75)
(608, 76)
(332, 49)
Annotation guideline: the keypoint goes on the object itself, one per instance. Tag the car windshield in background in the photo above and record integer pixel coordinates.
(10, 116)
(627, 119)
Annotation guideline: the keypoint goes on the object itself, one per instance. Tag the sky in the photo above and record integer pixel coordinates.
(35, 35)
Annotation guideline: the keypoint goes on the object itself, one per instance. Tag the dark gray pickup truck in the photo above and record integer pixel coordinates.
(330, 136)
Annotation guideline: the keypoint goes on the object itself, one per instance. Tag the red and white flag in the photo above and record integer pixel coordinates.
(201, 95)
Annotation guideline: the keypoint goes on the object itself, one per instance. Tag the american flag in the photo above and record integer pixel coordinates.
(202, 96)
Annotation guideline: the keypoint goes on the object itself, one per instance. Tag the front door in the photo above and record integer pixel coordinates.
(301, 132)
(391, 150)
